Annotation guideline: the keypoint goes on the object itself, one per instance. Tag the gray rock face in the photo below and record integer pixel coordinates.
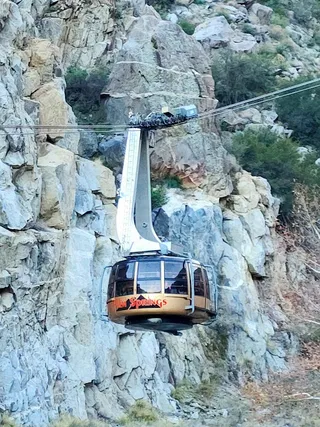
(260, 14)
(57, 222)
(15, 213)
(237, 246)
(216, 32)
(157, 56)
(113, 149)
(84, 31)
(88, 144)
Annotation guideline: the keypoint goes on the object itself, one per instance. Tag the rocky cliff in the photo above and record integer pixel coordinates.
(57, 231)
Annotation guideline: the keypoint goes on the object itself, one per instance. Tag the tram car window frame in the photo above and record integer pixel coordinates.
(124, 280)
(199, 283)
(112, 282)
(146, 277)
(206, 283)
(185, 279)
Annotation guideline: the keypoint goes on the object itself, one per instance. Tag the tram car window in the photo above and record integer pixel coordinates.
(175, 278)
(125, 279)
(188, 111)
(206, 283)
(112, 282)
(149, 277)
(198, 281)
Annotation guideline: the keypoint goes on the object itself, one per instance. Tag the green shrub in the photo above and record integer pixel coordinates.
(256, 72)
(159, 189)
(263, 153)
(187, 27)
(225, 14)
(303, 10)
(161, 6)
(158, 196)
(83, 93)
(279, 6)
(316, 37)
(142, 412)
(183, 391)
(280, 20)
(277, 32)
(285, 47)
(186, 390)
(301, 113)
(249, 29)
(69, 421)
(173, 182)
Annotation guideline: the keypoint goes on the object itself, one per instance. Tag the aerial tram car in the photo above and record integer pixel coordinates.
(156, 287)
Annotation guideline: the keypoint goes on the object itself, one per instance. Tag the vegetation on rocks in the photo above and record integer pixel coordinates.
(264, 153)
(186, 390)
(280, 20)
(187, 26)
(68, 421)
(161, 6)
(141, 411)
(279, 6)
(249, 29)
(158, 196)
(257, 77)
(301, 113)
(159, 190)
(303, 10)
(83, 93)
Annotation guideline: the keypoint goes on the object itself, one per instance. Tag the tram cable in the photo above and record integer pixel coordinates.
(249, 103)
(103, 128)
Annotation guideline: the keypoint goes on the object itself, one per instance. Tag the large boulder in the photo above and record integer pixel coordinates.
(88, 143)
(113, 150)
(99, 179)
(260, 14)
(43, 57)
(53, 108)
(58, 169)
(216, 32)
(15, 212)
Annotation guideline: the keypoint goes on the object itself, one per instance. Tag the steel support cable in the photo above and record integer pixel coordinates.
(267, 95)
(251, 104)
(79, 127)
(3, 132)
(217, 112)
(242, 104)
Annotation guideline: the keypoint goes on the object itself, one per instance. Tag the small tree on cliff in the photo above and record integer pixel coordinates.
(241, 76)
(83, 93)
(266, 154)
